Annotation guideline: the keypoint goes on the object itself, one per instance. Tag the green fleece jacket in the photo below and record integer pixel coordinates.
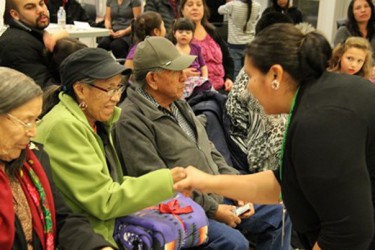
(81, 173)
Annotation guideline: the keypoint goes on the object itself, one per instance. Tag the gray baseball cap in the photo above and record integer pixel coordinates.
(159, 52)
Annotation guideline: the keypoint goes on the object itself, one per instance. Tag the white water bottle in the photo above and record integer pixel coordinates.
(61, 17)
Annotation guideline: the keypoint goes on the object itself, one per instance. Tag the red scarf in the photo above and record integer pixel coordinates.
(38, 193)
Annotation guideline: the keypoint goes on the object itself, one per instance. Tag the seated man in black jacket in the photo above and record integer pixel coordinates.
(22, 44)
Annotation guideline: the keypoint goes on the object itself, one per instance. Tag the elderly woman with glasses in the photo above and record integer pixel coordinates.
(32, 211)
(76, 133)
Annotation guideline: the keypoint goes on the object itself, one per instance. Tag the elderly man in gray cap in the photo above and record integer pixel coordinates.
(158, 130)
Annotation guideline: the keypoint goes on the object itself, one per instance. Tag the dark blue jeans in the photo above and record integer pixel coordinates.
(238, 55)
(221, 236)
(265, 224)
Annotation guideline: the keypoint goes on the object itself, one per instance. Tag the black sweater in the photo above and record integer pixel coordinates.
(329, 163)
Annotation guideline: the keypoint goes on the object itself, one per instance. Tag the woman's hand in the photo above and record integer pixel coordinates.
(178, 174)
(228, 85)
(191, 72)
(225, 213)
(119, 33)
(195, 179)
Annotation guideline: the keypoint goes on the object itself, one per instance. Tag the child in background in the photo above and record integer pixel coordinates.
(197, 73)
(242, 17)
(147, 24)
(353, 57)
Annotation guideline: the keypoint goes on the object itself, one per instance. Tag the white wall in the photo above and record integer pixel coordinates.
(2, 9)
(329, 12)
(263, 4)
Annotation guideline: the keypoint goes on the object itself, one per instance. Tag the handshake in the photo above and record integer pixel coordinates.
(188, 179)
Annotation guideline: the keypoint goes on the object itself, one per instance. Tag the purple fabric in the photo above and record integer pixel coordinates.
(155, 224)
(195, 50)
(194, 84)
(131, 52)
(133, 237)
(166, 230)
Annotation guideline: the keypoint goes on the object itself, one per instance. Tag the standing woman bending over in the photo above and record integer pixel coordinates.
(242, 16)
(214, 49)
(118, 17)
(327, 165)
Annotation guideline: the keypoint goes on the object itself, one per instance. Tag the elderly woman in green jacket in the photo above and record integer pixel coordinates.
(76, 134)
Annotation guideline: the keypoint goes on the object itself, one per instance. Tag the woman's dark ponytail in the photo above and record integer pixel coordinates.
(249, 9)
(315, 52)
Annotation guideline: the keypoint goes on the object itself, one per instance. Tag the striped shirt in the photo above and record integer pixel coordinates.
(237, 15)
(175, 114)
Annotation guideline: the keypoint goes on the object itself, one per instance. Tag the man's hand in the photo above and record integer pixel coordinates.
(178, 174)
(195, 180)
(249, 213)
(225, 213)
(191, 72)
(50, 39)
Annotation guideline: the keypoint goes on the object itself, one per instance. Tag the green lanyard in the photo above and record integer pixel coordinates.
(284, 138)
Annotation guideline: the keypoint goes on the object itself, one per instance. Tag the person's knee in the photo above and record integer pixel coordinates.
(233, 240)
(240, 244)
(105, 43)
(221, 236)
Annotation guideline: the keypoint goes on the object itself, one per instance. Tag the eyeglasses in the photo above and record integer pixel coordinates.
(26, 125)
(111, 92)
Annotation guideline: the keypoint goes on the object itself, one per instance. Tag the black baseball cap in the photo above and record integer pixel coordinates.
(93, 63)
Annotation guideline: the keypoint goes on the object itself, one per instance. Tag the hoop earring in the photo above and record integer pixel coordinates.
(82, 105)
(275, 84)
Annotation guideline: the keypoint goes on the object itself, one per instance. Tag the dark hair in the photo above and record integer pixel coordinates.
(16, 89)
(303, 56)
(144, 25)
(206, 14)
(249, 7)
(183, 23)
(352, 24)
(9, 5)
(271, 18)
(64, 47)
(277, 7)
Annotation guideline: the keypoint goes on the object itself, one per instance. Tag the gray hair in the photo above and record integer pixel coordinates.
(140, 76)
(16, 89)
